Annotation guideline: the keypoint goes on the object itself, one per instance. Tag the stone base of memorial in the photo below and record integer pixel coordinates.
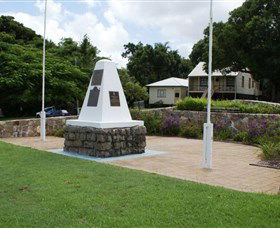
(107, 142)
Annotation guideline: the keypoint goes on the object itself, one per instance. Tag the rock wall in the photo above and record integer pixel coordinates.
(234, 121)
(108, 142)
(31, 127)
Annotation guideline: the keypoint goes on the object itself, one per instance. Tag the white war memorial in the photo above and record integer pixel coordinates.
(105, 127)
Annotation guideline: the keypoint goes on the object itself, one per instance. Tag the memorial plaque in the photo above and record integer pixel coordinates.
(97, 77)
(114, 98)
(93, 97)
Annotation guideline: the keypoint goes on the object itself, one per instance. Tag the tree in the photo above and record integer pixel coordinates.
(88, 53)
(198, 49)
(250, 41)
(83, 55)
(20, 33)
(21, 70)
(149, 64)
(21, 80)
(132, 89)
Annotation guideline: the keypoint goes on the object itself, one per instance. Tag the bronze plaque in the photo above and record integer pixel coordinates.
(97, 77)
(114, 98)
(93, 97)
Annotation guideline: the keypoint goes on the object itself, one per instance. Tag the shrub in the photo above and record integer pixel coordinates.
(152, 121)
(199, 104)
(171, 125)
(223, 134)
(257, 128)
(271, 150)
(189, 103)
(158, 104)
(191, 130)
(242, 137)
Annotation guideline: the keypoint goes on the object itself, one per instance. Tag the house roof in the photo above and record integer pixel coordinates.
(170, 82)
(198, 71)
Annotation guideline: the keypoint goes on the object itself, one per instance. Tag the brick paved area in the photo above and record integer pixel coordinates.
(231, 161)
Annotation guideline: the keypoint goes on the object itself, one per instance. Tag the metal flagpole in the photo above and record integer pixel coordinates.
(43, 113)
(208, 127)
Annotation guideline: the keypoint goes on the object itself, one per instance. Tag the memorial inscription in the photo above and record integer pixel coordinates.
(93, 97)
(114, 98)
(97, 77)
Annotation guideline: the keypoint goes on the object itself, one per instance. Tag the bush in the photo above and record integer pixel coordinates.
(189, 103)
(190, 130)
(158, 104)
(152, 121)
(242, 137)
(199, 104)
(223, 134)
(271, 150)
(171, 125)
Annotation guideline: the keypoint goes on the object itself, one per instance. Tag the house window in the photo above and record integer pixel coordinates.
(177, 95)
(249, 83)
(253, 84)
(230, 82)
(161, 93)
(203, 82)
(243, 81)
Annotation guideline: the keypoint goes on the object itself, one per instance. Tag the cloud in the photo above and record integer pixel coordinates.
(109, 36)
(89, 3)
(114, 23)
(180, 22)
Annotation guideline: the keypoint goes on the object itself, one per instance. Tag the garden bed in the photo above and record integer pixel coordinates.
(274, 164)
(199, 104)
(262, 130)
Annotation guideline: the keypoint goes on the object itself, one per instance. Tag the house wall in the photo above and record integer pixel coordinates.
(246, 90)
(170, 94)
(193, 82)
(251, 92)
(218, 82)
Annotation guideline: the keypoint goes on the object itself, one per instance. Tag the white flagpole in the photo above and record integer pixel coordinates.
(208, 127)
(43, 113)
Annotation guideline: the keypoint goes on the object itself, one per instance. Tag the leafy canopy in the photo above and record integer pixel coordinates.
(248, 41)
(69, 66)
(149, 63)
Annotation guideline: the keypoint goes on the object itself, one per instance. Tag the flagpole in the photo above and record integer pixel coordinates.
(43, 113)
(208, 127)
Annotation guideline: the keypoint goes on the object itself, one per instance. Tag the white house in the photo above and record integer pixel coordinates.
(168, 91)
(230, 85)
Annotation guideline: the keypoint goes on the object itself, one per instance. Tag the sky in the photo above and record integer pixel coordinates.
(111, 24)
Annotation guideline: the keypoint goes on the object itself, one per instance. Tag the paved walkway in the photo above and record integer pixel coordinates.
(231, 161)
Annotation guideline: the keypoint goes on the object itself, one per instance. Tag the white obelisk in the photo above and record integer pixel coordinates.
(105, 104)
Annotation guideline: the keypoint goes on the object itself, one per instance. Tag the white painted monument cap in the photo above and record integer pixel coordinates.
(105, 104)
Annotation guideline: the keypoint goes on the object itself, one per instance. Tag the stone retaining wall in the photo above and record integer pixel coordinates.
(31, 127)
(235, 121)
(238, 121)
(107, 142)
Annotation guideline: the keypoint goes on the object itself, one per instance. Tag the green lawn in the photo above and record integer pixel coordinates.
(43, 189)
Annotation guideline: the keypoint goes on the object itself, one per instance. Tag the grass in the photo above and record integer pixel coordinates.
(40, 189)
